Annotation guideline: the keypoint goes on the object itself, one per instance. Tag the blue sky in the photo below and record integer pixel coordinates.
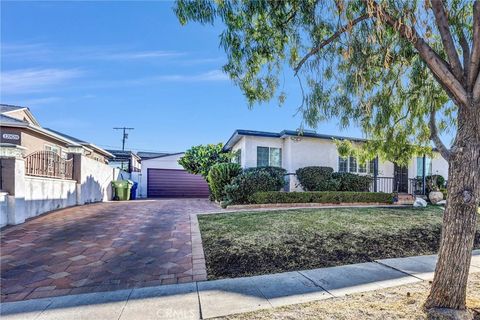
(86, 67)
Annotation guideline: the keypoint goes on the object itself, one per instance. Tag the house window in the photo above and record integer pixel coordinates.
(269, 157)
(362, 168)
(52, 148)
(352, 164)
(372, 166)
(428, 166)
(237, 158)
(342, 164)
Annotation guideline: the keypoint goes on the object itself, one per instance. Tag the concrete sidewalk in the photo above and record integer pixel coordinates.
(208, 299)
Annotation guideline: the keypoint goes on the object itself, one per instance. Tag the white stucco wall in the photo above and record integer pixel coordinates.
(310, 152)
(240, 145)
(3, 209)
(46, 194)
(168, 162)
(439, 165)
(96, 180)
(250, 146)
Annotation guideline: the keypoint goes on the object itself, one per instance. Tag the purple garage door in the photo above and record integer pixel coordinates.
(175, 183)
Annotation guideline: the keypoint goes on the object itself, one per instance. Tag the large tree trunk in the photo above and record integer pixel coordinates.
(460, 216)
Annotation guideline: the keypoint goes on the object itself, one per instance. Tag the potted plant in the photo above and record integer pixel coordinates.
(395, 197)
(435, 194)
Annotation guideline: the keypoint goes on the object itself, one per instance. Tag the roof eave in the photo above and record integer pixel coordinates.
(98, 149)
(42, 131)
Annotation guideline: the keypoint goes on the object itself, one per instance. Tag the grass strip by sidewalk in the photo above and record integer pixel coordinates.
(251, 243)
(404, 302)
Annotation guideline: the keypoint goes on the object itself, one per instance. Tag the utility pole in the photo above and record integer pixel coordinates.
(125, 135)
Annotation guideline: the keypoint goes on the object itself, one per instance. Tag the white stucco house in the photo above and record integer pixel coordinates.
(290, 150)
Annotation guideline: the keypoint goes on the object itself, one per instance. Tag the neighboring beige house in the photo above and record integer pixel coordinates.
(19, 127)
(290, 150)
(43, 170)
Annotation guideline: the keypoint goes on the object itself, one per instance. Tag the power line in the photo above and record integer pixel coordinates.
(136, 148)
(125, 135)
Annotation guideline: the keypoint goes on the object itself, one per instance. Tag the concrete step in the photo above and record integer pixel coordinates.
(405, 199)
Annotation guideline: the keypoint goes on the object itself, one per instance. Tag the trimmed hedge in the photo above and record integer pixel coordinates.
(254, 180)
(352, 182)
(320, 197)
(220, 175)
(324, 179)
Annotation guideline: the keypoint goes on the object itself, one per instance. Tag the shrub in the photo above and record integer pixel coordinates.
(324, 179)
(316, 178)
(434, 182)
(320, 197)
(352, 182)
(444, 191)
(219, 176)
(199, 159)
(277, 174)
(254, 180)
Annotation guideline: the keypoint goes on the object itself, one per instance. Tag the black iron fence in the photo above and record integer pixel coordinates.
(383, 184)
(390, 184)
(48, 164)
(415, 186)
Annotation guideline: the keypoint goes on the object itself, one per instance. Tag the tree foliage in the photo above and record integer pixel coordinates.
(199, 159)
(388, 66)
(369, 74)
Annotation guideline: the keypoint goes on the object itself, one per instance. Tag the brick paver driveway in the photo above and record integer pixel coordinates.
(101, 247)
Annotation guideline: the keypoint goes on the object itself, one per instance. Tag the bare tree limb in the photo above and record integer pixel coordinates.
(329, 40)
(447, 39)
(465, 49)
(475, 58)
(435, 63)
(476, 90)
(435, 137)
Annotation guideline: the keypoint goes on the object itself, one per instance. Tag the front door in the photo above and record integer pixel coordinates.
(401, 178)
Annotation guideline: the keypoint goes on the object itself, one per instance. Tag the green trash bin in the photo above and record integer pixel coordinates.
(122, 189)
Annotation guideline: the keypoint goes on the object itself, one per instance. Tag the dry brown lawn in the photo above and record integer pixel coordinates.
(403, 302)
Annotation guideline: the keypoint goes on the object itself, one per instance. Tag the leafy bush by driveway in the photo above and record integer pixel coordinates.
(241, 244)
(220, 175)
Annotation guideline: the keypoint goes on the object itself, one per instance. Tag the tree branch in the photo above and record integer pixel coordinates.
(435, 137)
(447, 39)
(475, 58)
(465, 49)
(329, 40)
(476, 90)
(435, 63)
